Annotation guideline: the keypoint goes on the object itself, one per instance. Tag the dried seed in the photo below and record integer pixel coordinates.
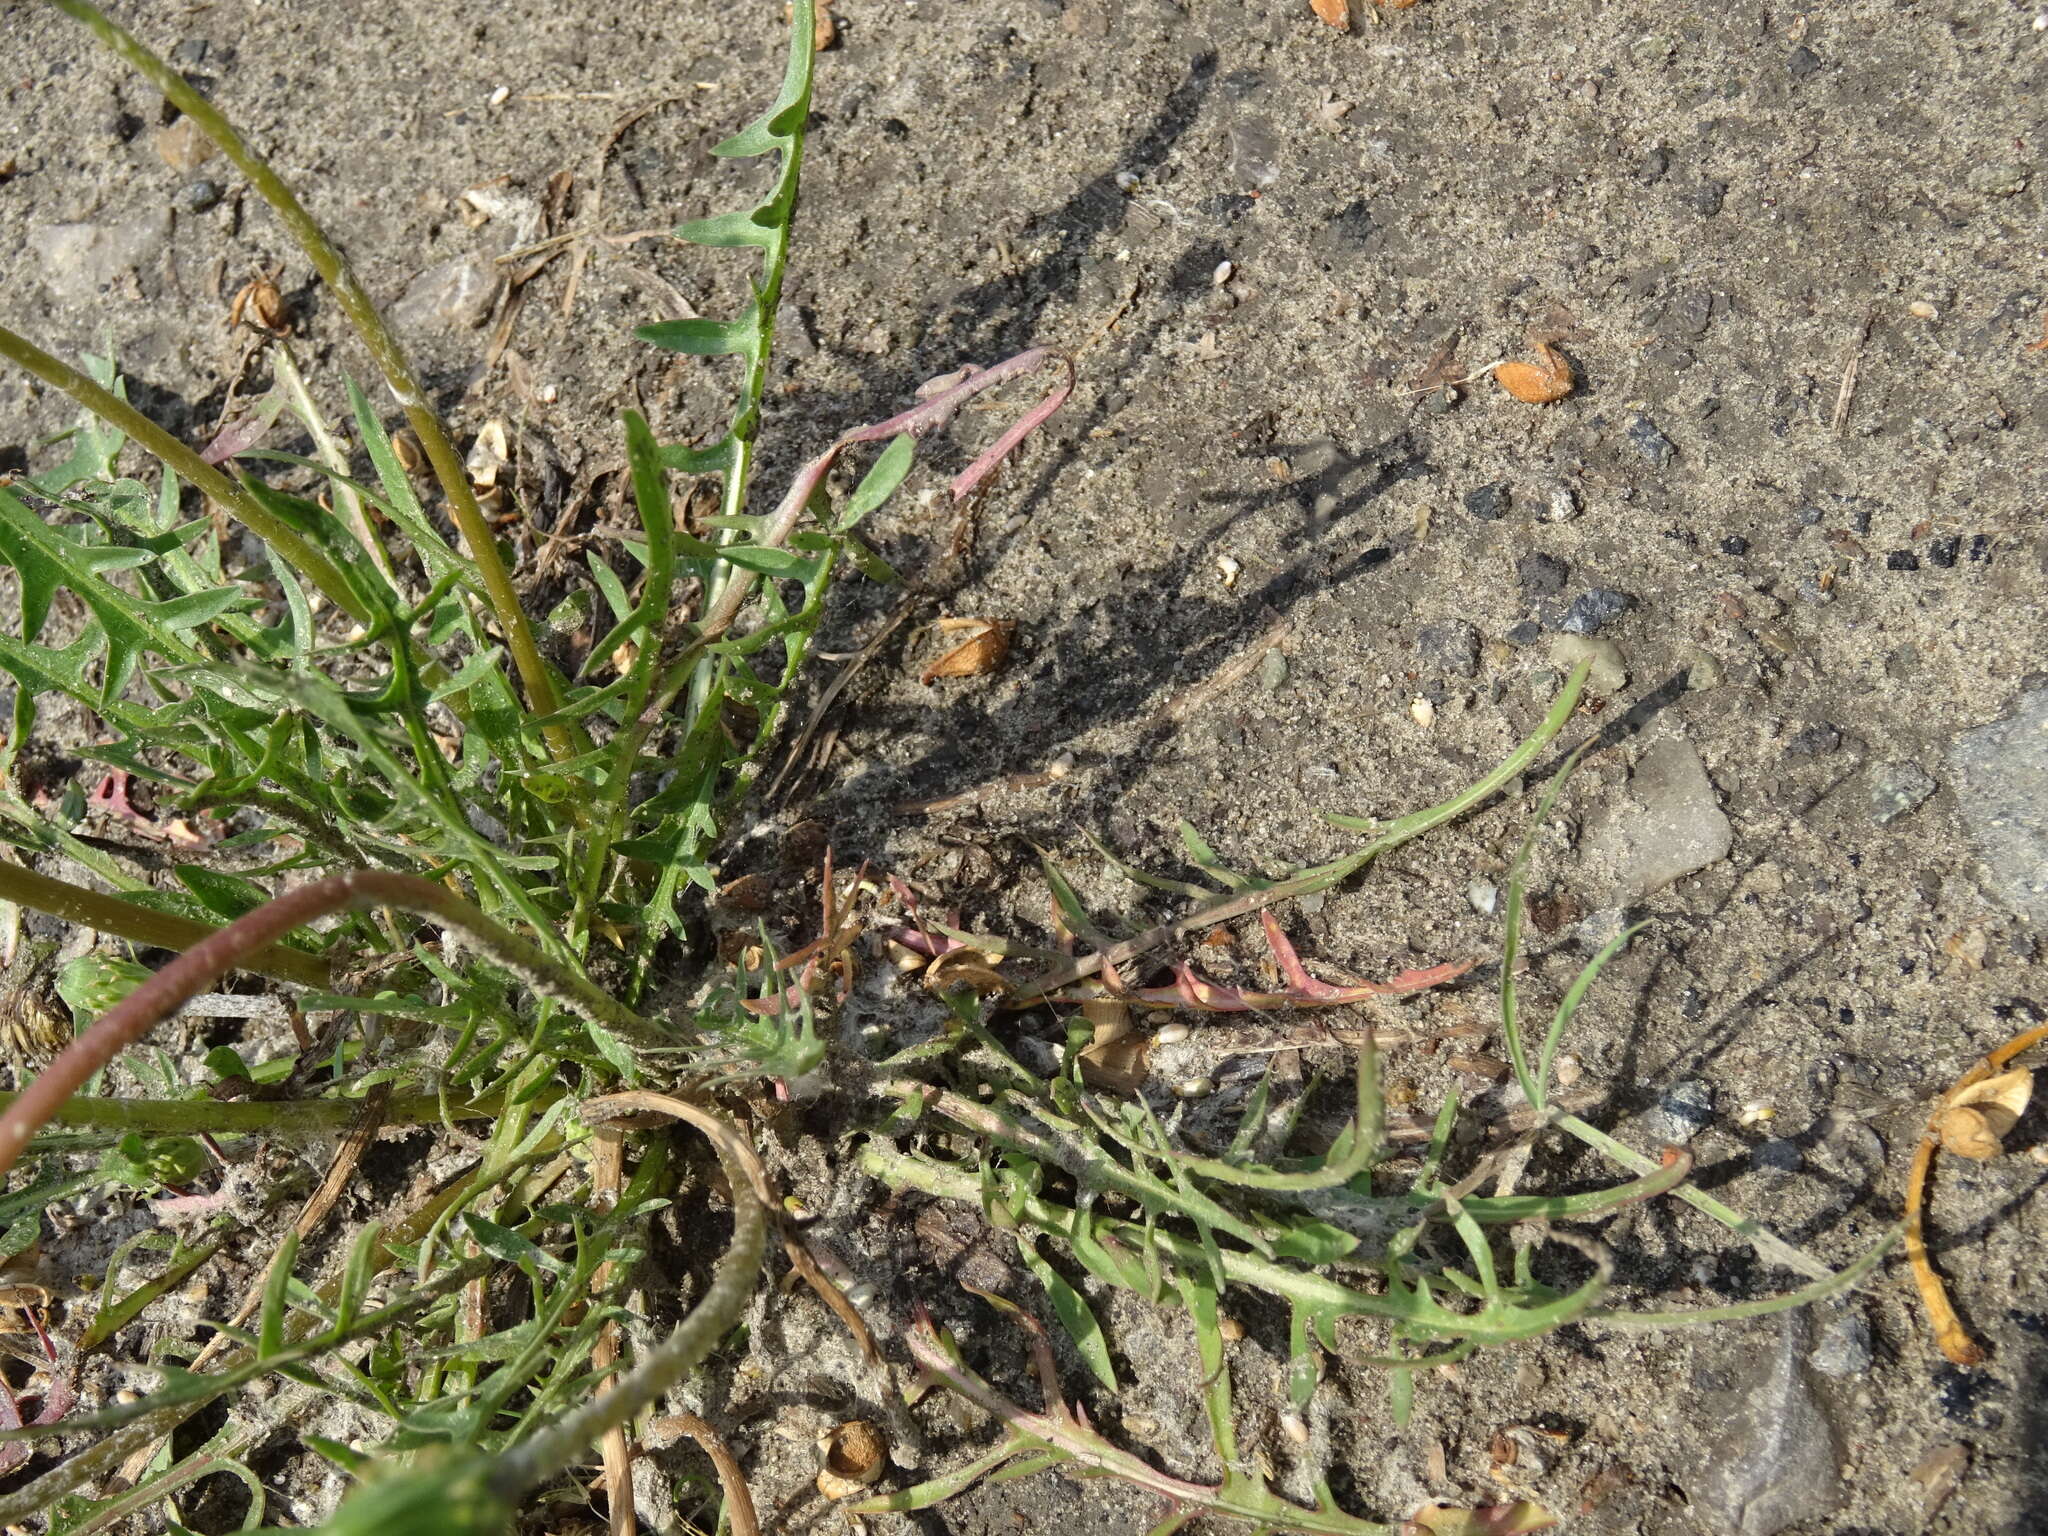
(1974, 1123)
(1422, 712)
(1229, 1329)
(1336, 13)
(982, 652)
(1294, 1426)
(1195, 1087)
(1172, 1034)
(854, 1453)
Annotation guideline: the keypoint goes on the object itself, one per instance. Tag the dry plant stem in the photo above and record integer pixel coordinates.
(142, 925)
(739, 1503)
(185, 461)
(200, 966)
(384, 350)
(1949, 1332)
(607, 1177)
(694, 1337)
(615, 1109)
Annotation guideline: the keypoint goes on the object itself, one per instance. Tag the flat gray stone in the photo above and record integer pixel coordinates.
(454, 295)
(81, 261)
(1670, 825)
(2000, 775)
(1773, 1462)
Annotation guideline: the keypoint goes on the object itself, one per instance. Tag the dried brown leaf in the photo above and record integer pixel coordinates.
(1538, 383)
(981, 652)
(1336, 13)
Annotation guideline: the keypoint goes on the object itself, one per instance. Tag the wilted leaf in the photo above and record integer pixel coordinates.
(982, 651)
(1486, 1520)
(1538, 383)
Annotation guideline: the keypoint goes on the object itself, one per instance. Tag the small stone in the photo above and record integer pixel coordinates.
(1484, 896)
(191, 53)
(1734, 545)
(1779, 1156)
(1708, 196)
(1943, 552)
(1669, 825)
(1811, 591)
(1609, 673)
(1902, 560)
(183, 147)
(1703, 670)
(2001, 785)
(1526, 633)
(1273, 672)
(1998, 178)
(198, 196)
(1541, 575)
(1490, 502)
(1843, 1348)
(1560, 504)
(1804, 62)
(1597, 930)
(1681, 1113)
(1654, 167)
(1815, 741)
(1809, 517)
(1254, 152)
(1593, 611)
(1452, 646)
(454, 295)
(1896, 788)
(1651, 443)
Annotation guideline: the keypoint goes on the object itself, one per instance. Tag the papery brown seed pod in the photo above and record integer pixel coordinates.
(1538, 383)
(1975, 1123)
(982, 651)
(855, 1454)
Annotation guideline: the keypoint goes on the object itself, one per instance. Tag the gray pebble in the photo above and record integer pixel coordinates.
(1708, 196)
(1593, 611)
(1804, 61)
(1452, 646)
(1843, 1348)
(1561, 504)
(198, 196)
(1651, 443)
(1655, 166)
(1541, 575)
(1896, 788)
(1490, 502)
(1597, 930)
(1814, 741)
(1682, 1113)
(2001, 782)
(1998, 178)
(1528, 632)
(1778, 1156)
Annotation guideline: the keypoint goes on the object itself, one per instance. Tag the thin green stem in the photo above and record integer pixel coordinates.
(146, 925)
(286, 1118)
(200, 966)
(185, 461)
(384, 349)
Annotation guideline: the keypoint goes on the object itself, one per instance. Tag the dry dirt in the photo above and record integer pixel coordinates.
(1796, 258)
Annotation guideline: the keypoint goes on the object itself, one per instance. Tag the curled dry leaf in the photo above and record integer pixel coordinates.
(982, 651)
(855, 1453)
(1114, 1061)
(1336, 12)
(1975, 1122)
(1538, 383)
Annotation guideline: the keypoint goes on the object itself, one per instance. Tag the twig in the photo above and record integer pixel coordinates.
(1847, 392)
(739, 1503)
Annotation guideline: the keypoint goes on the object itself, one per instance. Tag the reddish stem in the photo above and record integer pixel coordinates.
(196, 970)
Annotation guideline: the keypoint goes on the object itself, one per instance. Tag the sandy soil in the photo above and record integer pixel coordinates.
(1795, 258)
